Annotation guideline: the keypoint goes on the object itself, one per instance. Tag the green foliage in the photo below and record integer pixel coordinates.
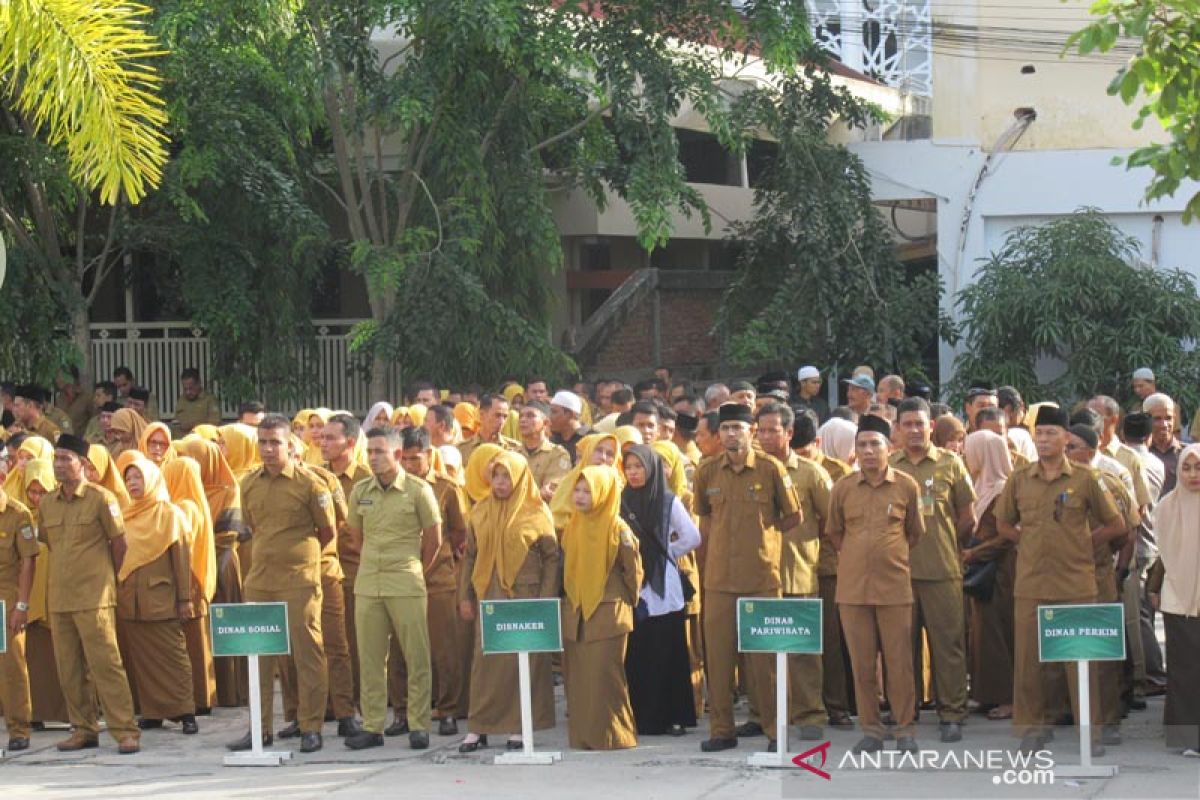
(1072, 291)
(818, 278)
(33, 348)
(1163, 76)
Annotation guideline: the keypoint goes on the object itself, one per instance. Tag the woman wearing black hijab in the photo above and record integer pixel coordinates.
(656, 665)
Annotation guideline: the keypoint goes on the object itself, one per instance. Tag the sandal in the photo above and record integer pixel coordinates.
(1000, 712)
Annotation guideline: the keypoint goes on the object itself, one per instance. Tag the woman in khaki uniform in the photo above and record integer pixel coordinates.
(153, 597)
(602, 577)
(512, 553)
(46, 694)
(182, 477)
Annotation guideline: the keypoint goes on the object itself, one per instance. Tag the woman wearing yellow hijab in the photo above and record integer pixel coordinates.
(207, 432)
(317, 421)
(628, 436)
(49, 705)
(224, 497)
(18, 554)
(239, 444)
(100, 470)
(184, 485)
(126, 428)
(416, 414)
(34, 447)
(595, 449)
(155, 444)
(514, 393)
(602, 576)
(467, 417)
(511, 553)
(153, 596)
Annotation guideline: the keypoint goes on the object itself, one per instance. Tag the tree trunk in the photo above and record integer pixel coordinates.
(81, 337)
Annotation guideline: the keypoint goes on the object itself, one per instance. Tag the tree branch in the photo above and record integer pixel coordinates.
(578, 126)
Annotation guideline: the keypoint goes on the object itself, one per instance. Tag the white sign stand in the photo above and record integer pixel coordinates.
(526, 755)
(257, 757)
(779, 757)
(1086, 768)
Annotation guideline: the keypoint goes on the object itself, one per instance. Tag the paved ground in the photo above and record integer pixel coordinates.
(175, 765)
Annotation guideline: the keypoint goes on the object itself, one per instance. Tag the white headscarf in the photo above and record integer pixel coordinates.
(1177, 528)
(986, 456)
(837, 439)
(380, 407)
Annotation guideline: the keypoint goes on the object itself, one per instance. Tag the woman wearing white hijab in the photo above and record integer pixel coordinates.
(837, 439)
(1174, 589)
(380, 416)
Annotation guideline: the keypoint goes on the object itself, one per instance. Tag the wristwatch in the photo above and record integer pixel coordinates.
(22, 606)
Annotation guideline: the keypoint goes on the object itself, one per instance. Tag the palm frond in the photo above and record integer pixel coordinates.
(79, 71)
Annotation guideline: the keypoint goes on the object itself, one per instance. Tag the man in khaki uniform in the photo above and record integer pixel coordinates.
(548, 462)
(1045, 508)
(29, 403)
(947, 506)
(493, 413)
(875, 522)
(290, 516)
(745, 501)
(338, 440)
(18, 554)
(81, 524)
(333, 627)
(441, 584)
(798, 562)
(195, 406)
(73, 403)
(395, 516)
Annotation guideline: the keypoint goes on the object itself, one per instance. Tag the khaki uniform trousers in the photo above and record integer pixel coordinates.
(89, 665)
(867, 629)
(938, 609)
(721, 658)
(805, 705)
(835, 690)
(351, 631)
(378, 619)
(442, 621)
(1134, 679)
(337, 657)
(1034, 681)
(14, 687)
(1109, 673)
(308, 654)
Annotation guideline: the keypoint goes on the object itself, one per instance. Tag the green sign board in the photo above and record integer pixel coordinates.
(779, 625)
(514, 626)
(1086, 632)
(249, 629)
(3, 627)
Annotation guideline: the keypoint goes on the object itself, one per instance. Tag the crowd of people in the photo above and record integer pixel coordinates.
(931, 538)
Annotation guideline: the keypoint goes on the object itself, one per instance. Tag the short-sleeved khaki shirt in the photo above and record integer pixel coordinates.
(77, 527)
(391, 519)
(875, 524)
(1055, 559)
(452, 505)
(945, 491)
(827, 561)
(466, 448)
(347, 549)
(283, 513)
(745, 506)
(190, 413)
(549, 463)
(18, 542)
(801, 544)
(331, 566)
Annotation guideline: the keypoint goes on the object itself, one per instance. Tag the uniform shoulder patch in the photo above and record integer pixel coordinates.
(115, 510)
(26, 531)
(323, 499)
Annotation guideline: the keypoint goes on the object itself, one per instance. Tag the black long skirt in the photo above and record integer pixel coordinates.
(659, 674)
(1181, 716)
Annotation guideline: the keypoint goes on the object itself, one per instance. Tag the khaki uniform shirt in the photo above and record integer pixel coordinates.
(468, 447)
(18, 542)
(391, 519)
(801, 544)
(94, 434)
(190, 413)
(548, 463)
(875, 524)
(744, 506)
(283, 514)
(1104, 553)
(452, 505)
(153, 592)
(79, 411)
(77, 528)
(348, 553)
(1054, 554)
(331, 566)
(945, 491)
(1128, 458)
(46, 429)
(827, 560)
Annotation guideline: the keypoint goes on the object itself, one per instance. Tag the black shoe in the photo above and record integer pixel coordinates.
(1137, 704)
(291, 731)
(773, 746)
(245, 743)
(18, 743)
(37, 727)
(396, 728)
(204, 711)
(951, 732)
(811, 733)
(348, 726)
(841, 721)
(1030, 744)
(471, 747)
(364, 739)
(311, 742)
(867, 744)
(1110, 735)
(447, 727)
(188, 724)
(419, 740)
(907, 744)
(146, 724)
(748, 729)
(677, 730)
(514, 744)
(716, 745)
